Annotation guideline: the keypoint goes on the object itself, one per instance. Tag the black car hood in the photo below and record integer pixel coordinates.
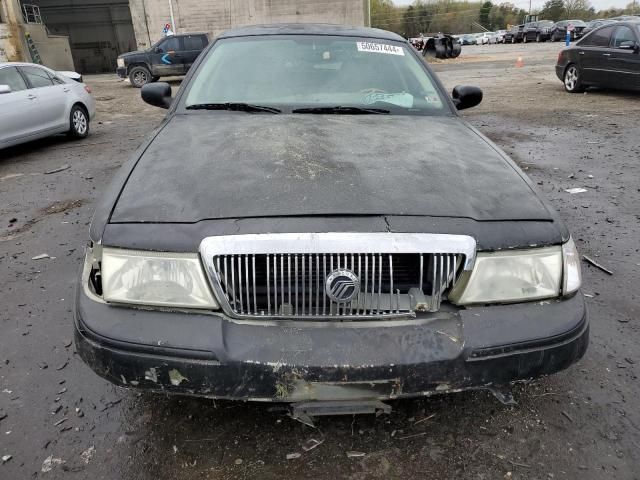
(215, 165)
(132, 54)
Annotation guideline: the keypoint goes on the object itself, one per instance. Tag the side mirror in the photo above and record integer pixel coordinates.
(5, 89)
(465, 96)
(630, 45)
(157, 94)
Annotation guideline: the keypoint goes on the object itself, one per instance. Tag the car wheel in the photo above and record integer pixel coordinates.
(139, 76)
(78, 122)
(572, 79)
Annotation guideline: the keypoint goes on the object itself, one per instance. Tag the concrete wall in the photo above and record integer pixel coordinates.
(98, 30)
(54, 50)
(216, 16)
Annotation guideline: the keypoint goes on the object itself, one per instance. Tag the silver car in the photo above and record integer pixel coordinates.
(36, 102)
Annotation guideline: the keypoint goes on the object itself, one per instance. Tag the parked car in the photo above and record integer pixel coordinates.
(469, 39)
(514, 34)
(285, 236)
(484, 38)
(497, 37)
(593, 24)
(609, 56)
(559, 30)
(170, 56)
(539, 31)
(37, 102)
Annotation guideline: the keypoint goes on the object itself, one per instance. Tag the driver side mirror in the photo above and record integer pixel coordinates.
(157, 94)
(5, 89)
(630, 45)
(465, 96)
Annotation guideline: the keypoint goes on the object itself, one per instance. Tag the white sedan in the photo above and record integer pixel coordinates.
(36, 102)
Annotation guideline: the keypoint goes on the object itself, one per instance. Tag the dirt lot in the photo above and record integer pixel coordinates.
(582, 423)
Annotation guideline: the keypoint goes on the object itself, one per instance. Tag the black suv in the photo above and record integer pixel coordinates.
(539, 31)
(515, 34)
(170, 56)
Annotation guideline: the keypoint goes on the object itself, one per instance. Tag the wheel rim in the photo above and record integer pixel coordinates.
(140, 78)
(571, 78)
(79, 122)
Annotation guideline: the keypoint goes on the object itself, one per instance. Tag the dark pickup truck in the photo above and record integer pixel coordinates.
(170, 56)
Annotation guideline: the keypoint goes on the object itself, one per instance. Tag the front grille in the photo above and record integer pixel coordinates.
(290, 281)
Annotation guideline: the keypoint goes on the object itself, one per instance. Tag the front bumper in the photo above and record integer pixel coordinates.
(122, 72)
(209, 355)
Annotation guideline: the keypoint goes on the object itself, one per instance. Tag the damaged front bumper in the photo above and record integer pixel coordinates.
(284, 361)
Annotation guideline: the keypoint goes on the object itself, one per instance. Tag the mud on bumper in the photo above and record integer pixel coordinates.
(208, 355)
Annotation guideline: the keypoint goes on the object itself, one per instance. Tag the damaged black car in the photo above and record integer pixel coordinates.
(313, 223)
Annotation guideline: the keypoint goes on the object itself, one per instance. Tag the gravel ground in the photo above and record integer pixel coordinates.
(59, 420)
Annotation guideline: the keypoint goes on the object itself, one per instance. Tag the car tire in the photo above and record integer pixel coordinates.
(139, 76)
(572, 79)
(78, 122)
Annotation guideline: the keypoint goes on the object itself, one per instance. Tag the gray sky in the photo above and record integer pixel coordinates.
(597, 4)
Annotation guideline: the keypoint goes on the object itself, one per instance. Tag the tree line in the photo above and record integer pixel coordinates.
(462, 16)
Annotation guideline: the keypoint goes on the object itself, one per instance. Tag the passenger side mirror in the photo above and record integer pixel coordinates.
(465, 96)
(157, 94)
(5, 89)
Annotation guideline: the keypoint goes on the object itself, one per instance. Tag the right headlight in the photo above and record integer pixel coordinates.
(155, 278)
(520, 275)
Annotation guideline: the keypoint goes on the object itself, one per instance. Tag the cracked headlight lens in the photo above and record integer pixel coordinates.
(155, 278)
(511, 276)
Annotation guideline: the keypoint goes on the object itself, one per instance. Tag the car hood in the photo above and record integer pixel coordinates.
(220, 165)
(131, 54)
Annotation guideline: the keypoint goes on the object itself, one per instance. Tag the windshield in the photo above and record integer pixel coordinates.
(577, 23)
(301, 72)
(545, 23)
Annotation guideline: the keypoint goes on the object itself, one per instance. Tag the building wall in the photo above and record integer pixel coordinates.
(98, 30)
(216, 16)
(54, 50)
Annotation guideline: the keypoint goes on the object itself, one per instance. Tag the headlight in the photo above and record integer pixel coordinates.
(572, 277)
(120, 62)
(511, 276)
(155, 278)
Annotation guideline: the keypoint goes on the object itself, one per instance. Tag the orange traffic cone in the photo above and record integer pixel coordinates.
(519, 62)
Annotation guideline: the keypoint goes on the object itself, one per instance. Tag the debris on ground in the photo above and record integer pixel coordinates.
(50, 462)
(62, 365)
(311, 444)
(354, 454)
(238, 461)
(567, 415)
(59, 169)
(425, 419)
(87, 455)
(43, 365)
(293, 456)
(61, 421)
(412, 436)
(6, 458)
(3, 415)
(596, 264)
(41, 256)
(575, 190)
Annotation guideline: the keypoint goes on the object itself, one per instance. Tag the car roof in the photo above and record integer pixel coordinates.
(310, 29)
(22, 64)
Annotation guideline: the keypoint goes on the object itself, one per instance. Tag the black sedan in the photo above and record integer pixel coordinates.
(607, 57)
(285, 236)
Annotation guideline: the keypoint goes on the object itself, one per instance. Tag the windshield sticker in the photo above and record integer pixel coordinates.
(400, 99)
(380, 48)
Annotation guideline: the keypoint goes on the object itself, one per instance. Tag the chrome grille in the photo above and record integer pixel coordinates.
(255, 276)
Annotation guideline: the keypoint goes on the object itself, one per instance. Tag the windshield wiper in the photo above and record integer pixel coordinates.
(233, 106)
(341, 110)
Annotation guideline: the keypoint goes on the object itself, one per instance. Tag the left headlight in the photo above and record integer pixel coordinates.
(520, 275)
(155, 278)
(120, 62)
